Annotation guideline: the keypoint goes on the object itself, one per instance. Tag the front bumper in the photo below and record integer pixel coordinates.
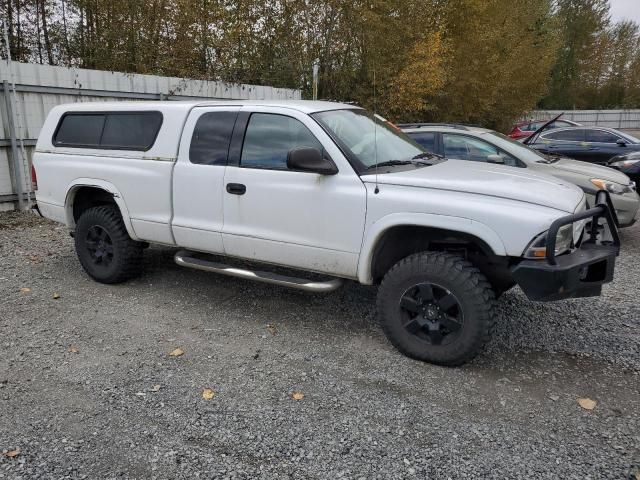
(578, 274)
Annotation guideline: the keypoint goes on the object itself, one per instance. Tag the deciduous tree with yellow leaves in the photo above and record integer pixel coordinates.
(476, 61)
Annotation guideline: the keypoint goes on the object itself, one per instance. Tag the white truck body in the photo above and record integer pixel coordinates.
(297, 219)
(346, 224)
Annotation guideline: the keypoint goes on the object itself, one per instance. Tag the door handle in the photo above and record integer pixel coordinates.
(236, 188)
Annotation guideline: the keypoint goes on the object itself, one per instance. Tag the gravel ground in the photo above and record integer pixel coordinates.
(88, 389)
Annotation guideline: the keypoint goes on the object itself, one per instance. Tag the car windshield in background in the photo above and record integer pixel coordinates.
(628, 137)
(362, 138)
(516, 148)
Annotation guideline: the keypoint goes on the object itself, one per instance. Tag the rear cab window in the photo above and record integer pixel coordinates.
(108, 130)
(211, 138)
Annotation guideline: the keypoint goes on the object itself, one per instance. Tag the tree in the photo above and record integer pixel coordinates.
(476, 61)
(500, 53)
(581, 23)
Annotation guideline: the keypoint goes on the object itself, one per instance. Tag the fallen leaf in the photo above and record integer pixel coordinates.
(271, 329)
(208, 394)
(178, 352)
(587, 403)
(56, 296)
(297, 396)
(13, 453)
(155, 388)
(25, 290)
(637, 475)
(73, 349)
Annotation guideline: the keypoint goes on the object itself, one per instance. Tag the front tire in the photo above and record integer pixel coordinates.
(104, 248)
(436, 307)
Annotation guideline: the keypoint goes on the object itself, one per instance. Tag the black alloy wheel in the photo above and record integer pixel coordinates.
(99, 245)
(433, 313)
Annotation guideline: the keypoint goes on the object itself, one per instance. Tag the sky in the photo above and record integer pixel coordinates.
(625, 9)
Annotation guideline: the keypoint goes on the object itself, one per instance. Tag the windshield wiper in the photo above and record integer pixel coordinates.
(427, 155)
(554, 157)
(390, 163)
(414, 161)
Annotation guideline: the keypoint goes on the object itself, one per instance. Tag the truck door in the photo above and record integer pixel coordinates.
(299, 219)
(198, 178)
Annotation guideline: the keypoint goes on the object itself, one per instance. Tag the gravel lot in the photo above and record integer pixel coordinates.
(88, 389)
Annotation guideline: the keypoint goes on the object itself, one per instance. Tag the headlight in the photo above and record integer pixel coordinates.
(538, 247)
(624, 163)
(610, 187)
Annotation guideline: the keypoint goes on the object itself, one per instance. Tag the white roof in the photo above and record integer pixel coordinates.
(305, 106)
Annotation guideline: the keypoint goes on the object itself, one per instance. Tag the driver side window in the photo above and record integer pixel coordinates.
(270, 137)
(462, 147)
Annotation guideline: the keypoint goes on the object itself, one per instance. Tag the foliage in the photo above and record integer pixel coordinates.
(500, 55)
(477, 61)
(597, 65)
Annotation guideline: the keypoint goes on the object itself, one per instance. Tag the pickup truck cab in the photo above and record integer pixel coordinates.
(323, 189)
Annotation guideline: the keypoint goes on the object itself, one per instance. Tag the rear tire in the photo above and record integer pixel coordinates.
(436, 307)
(104, 248)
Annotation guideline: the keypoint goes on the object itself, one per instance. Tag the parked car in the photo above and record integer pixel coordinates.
(319, 188)
(628, 164)
(589, 144)
(460, 142)
(524, 129)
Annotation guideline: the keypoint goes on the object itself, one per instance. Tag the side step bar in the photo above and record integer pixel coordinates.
(184, 259)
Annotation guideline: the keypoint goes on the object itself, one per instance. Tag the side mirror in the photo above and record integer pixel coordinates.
(621, 143)
(307, 159)
(499, 159)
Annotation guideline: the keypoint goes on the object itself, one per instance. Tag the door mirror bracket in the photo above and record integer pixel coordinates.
(312, 160)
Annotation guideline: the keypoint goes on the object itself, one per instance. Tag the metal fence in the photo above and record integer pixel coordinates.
(620, 119)
(38, 88)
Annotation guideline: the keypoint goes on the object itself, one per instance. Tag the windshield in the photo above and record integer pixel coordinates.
(631, 138)
(366, 141)
(517, 149)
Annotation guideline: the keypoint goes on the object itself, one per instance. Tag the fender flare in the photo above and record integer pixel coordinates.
(108, 187)
(374, 233)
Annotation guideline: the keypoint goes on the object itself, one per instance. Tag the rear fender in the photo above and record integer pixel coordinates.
(73, 188)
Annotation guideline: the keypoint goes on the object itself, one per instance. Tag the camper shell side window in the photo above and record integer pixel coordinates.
(108, 130)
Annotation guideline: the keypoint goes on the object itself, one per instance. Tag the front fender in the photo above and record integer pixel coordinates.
(78, 183)
(375, 231)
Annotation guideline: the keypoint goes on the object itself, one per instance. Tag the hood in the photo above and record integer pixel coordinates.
(491, 180)
(590, 170)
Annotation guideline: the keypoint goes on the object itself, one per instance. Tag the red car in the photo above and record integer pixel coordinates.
(524, 129)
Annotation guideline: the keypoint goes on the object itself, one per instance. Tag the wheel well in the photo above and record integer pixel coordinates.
(89, 197)
(400, 242)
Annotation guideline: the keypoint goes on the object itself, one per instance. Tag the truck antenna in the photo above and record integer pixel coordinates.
(375, 128)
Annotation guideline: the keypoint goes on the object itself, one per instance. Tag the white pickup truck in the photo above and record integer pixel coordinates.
(323, 189)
